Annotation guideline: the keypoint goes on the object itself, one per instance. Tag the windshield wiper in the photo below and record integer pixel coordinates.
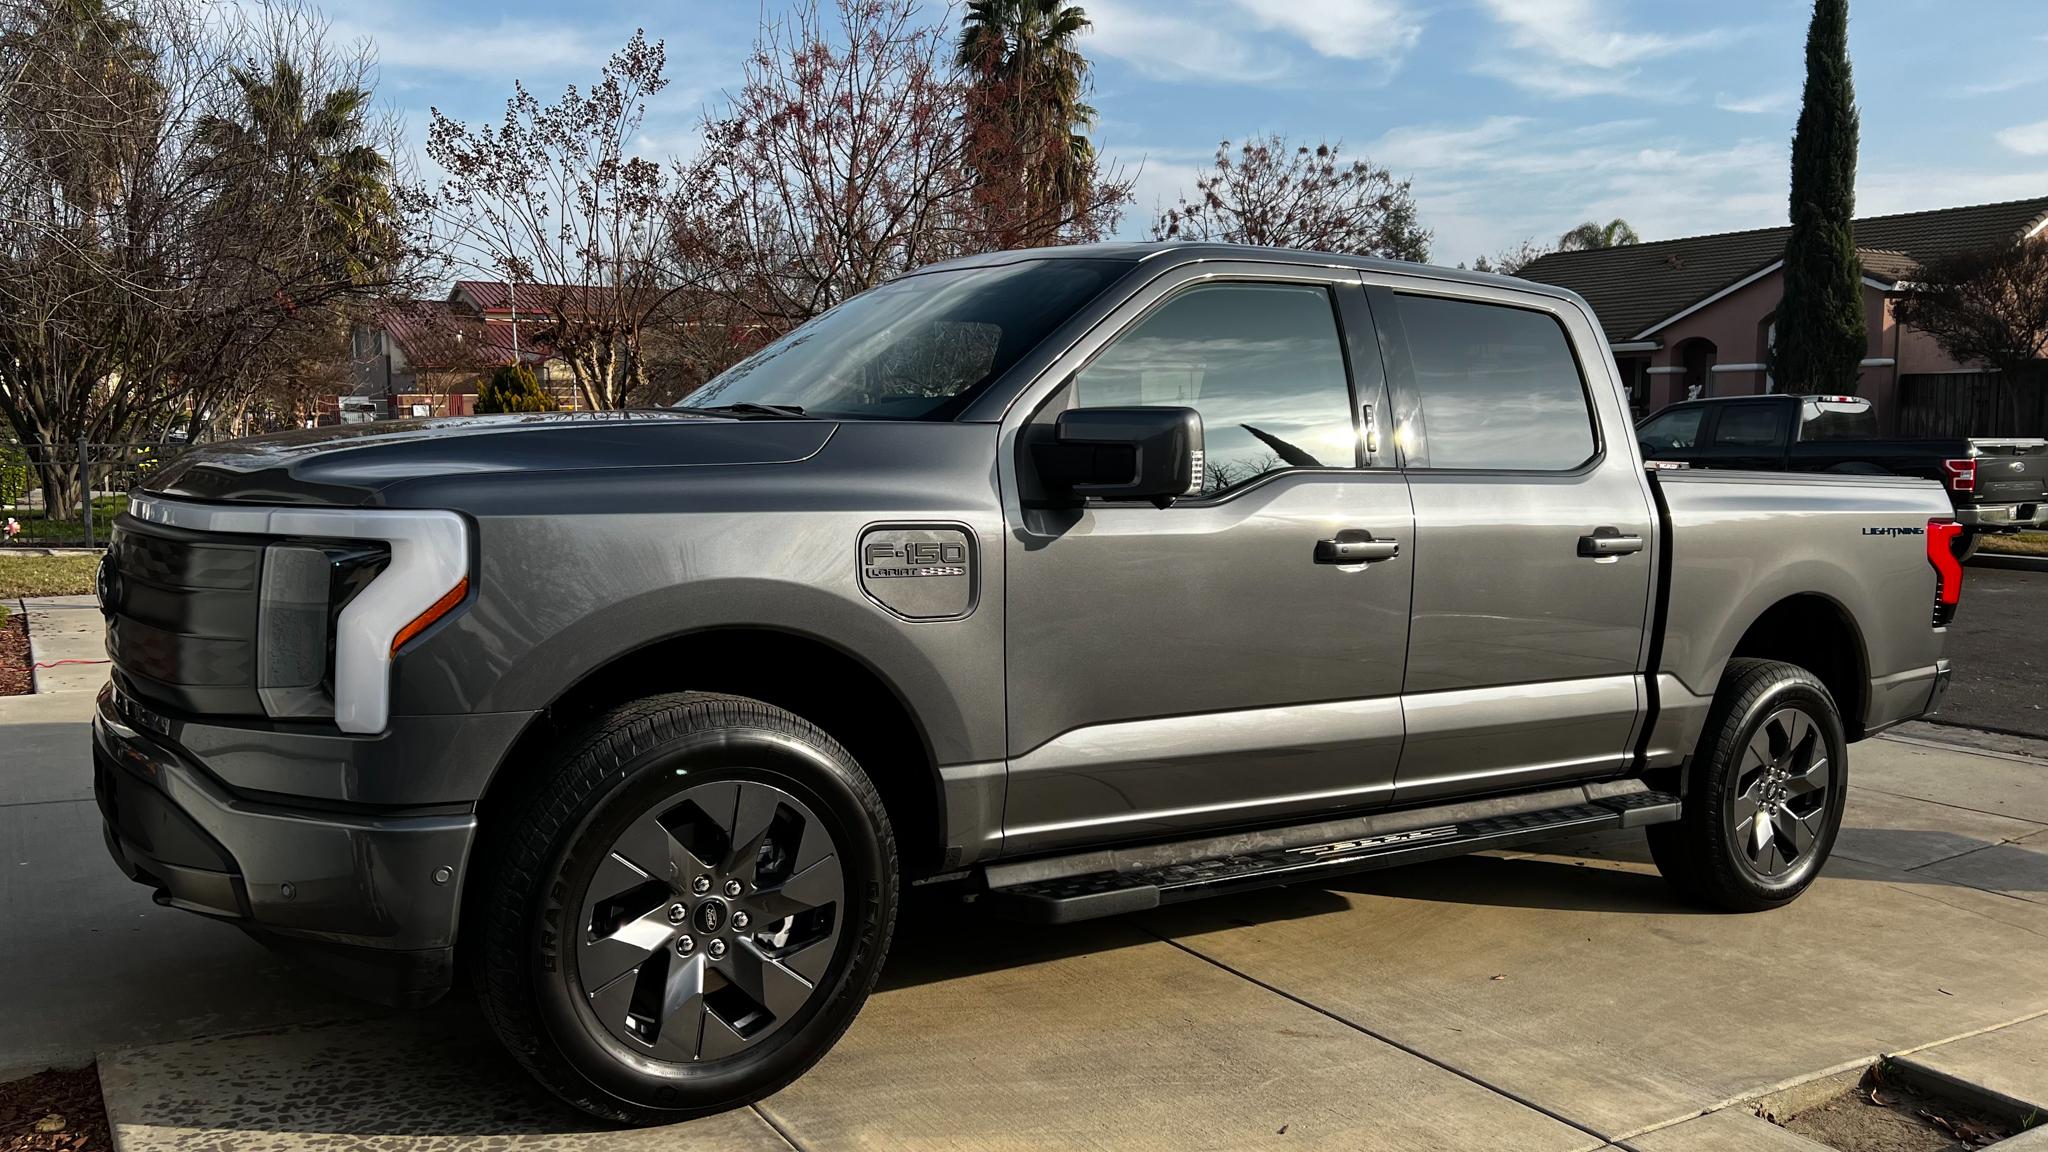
(750, 408)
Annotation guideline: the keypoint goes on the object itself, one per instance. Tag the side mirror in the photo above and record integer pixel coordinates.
(1124, 454)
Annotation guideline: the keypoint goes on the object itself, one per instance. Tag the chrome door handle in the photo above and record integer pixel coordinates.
(1355, 546)
(1608, 542)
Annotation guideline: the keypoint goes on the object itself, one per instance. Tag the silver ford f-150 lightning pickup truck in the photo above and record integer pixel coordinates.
(1084, 579)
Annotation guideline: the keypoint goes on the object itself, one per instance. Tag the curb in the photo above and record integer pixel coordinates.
(2009, 562)
(1981, 1097)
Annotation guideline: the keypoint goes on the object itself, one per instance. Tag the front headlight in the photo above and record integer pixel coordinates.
(342, 590)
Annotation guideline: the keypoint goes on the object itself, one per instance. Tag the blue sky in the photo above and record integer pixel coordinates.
(1514, 118)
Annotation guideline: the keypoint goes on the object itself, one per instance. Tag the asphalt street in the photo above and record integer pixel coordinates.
(1999, 648)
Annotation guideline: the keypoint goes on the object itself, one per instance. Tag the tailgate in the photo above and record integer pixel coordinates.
(2010, 471)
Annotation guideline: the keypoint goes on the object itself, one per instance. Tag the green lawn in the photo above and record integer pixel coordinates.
(37, 528)
(66, 575)
(2024, 544)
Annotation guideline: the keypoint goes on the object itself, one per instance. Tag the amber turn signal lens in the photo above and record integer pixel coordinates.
(438, 609)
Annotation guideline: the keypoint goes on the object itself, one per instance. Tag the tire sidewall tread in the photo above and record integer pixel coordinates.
(560, 798)
(1694, 854)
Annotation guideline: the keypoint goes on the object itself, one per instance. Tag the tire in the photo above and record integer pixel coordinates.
(1967, 543)
(609, 950)
(1756, 748)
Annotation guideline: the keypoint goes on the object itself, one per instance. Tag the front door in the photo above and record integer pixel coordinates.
(1199, 664)
(1532, 558)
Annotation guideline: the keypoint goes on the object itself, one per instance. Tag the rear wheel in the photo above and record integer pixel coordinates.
(1966, 544)
(689, 910)
(1764, 799)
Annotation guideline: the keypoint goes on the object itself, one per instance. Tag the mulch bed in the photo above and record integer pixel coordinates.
(54, 1112)
(15, 676)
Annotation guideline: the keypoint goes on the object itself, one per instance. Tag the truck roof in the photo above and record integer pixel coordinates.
(1174, 253)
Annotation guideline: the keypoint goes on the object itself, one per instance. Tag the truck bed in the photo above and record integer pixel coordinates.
(1734, 544)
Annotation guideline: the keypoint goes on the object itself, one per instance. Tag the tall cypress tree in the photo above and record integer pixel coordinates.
(1820, 320)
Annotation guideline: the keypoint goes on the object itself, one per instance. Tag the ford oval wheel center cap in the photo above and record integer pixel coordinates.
(710, 922)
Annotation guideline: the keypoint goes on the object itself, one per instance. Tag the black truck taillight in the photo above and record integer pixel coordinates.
(1942, 536)
(1962, 474)
(305, 586)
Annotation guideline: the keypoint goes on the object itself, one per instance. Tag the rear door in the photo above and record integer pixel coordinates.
(1532, 559)
(1749, 434)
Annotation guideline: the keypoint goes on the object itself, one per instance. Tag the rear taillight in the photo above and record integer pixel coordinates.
(1962, 474)
(1942, 537)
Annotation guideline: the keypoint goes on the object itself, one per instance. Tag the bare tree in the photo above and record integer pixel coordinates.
(837, 165)
(553, 194)
(1511, 261)
(1298, 197)
(846, 158)
(191, 192)
(1988, 306)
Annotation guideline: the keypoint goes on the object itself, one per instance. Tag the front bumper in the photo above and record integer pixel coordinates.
(1999, 516)
(372, 899)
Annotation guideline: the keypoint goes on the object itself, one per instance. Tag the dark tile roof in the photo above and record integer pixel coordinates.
(1634, 287)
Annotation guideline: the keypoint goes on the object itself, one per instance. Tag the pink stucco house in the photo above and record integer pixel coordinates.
(1693, 316)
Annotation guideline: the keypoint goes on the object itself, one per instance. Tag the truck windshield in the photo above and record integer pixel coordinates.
(915, 349)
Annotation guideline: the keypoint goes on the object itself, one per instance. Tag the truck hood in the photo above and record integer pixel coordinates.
(350, 464)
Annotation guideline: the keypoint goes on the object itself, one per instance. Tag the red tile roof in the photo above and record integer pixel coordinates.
(491, 296)
(435, 335)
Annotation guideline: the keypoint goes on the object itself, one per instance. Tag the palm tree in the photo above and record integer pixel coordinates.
(286, 147)
(1027, 104)
(1593, 234)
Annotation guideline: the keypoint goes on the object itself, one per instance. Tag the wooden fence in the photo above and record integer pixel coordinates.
(1970, 404)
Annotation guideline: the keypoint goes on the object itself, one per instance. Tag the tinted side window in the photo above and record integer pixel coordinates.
(1263, 365)
(1831, 425)
(1499, 386)
(1748, 426)
(1679, 428)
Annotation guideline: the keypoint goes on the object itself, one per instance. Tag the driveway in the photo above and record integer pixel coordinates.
(1553, 999)
(1999, 648)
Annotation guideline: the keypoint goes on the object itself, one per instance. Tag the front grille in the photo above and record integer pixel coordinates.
(182, 616)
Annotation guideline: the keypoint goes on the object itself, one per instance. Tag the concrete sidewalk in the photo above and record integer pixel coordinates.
(87, 960)
(1553, 999)
(1549, 1000)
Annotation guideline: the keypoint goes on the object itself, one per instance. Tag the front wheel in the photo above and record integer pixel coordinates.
(1764, 799)
(688, 910)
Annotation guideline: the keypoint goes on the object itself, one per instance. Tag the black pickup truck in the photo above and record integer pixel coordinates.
(1997, 485)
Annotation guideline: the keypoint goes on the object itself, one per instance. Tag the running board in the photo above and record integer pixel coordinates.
(1085, 896)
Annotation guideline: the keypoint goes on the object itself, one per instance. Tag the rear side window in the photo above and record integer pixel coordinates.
(1748, 426)
(1678, 428)
(1499, 386)
(1827, 424)
(1262, 363)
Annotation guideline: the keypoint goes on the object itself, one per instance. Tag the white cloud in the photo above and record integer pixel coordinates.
(1767, 104)
(1178, 46)
(409, 40)
(2026, 139)
(1487, 185)
(1571, 48)
(1207, 39)
(1351, 29)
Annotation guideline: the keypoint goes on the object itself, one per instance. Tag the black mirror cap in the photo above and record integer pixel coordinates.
(1148, 453)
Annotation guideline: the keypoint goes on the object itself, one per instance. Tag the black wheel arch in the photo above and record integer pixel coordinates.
(854, 702)
(1814, 631)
